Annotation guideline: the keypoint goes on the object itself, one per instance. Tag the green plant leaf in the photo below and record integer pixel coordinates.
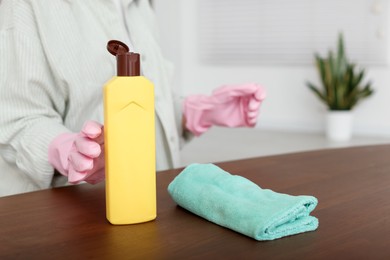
(341, 57)
(357, 79)
(340, 80)
(318, 93)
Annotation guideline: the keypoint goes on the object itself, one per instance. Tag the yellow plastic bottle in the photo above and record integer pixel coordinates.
(129, 140)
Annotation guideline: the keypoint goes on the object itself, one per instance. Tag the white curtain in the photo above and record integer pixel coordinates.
(288, 32)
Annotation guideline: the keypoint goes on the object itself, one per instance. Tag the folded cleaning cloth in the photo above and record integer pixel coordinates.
(235, 202)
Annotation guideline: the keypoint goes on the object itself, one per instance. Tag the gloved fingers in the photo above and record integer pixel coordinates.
(252, 118)
(253, 105)
(92, 129)
(100, 138)
(74, 176)
(88, 147)
(252, 114)
(96, 177)
(97, 174)
(79, 162)
(92, 175)
(260, 93)
(99, 163)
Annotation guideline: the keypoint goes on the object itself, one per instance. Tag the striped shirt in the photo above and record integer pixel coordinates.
(53, 65)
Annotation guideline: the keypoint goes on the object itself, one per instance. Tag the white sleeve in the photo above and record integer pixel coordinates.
(30, 103)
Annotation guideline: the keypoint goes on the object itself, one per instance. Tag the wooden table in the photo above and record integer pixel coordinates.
(351, 184)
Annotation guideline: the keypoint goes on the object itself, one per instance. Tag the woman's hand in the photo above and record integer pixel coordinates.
(80, 156)
(230, 106)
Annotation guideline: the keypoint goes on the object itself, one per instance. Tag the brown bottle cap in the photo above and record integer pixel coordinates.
(128, 63)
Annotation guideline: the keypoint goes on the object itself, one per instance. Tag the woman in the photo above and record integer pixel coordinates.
(53, 64)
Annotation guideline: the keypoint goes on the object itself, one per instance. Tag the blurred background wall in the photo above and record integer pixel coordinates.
(289, 106)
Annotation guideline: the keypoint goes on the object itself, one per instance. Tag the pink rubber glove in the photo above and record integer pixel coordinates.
(231, 106)
(80, 156)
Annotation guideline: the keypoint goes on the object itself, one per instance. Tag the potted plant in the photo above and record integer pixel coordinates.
(342, 89)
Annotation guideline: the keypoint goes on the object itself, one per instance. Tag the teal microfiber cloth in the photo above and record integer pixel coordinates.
(237, 203)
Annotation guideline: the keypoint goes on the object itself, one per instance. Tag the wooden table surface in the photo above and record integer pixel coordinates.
(352, 186)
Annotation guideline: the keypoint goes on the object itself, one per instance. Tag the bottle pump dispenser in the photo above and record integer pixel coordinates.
(129, 139)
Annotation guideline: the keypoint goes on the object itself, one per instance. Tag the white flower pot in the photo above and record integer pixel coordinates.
(339, 125)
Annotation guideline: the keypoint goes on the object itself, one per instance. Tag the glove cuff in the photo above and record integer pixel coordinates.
(59, 150)
(197, 110)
